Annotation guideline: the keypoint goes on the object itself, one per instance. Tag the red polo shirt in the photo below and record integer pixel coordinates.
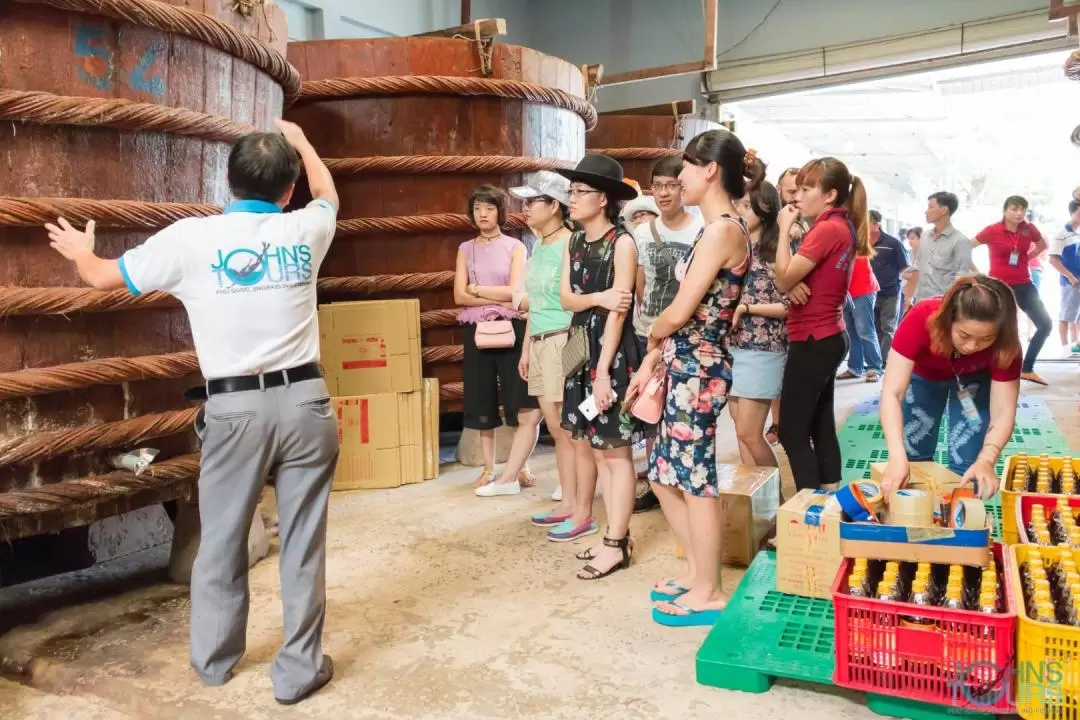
(830, 245)
(1002, 244)
(912, 340)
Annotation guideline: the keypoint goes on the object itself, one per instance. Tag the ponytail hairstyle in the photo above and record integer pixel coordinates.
(741, 171)
(829, 174)
(765, 203)
(983, 299)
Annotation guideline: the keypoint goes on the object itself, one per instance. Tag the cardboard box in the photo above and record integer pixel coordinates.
(369, 348)
(808, 545)
(933, 544)
(750, 497)
(430, 404)
(381, 441)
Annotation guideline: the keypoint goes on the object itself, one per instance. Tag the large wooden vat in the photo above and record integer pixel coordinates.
(121, 111)
(410, 126)
(638, 138)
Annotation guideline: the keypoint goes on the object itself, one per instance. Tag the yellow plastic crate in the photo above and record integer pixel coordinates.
(1009, 533)
(1047, 655)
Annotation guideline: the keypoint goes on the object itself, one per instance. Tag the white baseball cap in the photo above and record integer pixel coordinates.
(641, 202)
(544, 184)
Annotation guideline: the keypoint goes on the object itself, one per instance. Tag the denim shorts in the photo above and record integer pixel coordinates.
(756, 374)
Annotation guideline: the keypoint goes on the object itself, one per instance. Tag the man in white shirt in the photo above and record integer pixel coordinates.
(247, 280)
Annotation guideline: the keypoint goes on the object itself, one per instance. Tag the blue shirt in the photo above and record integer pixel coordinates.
(890, 260)
(1066, 245)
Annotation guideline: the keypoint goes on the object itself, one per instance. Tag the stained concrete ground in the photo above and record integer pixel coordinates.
(440, 605)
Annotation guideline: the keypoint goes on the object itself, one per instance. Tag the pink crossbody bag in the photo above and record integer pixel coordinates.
(496, 333)
(649, 405)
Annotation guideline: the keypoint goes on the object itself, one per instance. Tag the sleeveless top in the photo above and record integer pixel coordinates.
(700, 346)
(488, 264)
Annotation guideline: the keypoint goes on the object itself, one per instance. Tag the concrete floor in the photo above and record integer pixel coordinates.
(441, 605)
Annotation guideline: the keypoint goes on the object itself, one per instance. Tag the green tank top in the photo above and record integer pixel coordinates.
(542, 285)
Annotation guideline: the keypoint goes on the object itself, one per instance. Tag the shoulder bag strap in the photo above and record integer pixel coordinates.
(657, 240)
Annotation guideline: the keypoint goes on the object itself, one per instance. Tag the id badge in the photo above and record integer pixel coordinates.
(1014, 258)
(971, 413)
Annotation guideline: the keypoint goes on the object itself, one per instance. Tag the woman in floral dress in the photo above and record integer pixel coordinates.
(689, 337)
(597, 285)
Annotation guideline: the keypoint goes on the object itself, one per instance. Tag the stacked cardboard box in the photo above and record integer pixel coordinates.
(388, 416)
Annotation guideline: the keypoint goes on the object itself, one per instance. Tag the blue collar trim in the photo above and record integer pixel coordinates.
(251, 206)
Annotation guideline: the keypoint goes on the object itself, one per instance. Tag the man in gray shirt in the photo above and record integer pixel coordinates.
(944, 252)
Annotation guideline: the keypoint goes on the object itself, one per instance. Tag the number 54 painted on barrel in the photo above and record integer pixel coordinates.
(96, 62)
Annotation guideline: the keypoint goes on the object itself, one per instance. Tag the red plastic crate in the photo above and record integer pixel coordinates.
(966, 660)
(1023, 511)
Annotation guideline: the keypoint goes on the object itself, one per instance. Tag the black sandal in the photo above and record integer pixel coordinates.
(587, 553)
(623, 544)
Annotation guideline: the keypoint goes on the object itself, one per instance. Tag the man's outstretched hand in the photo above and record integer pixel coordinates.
(69, 241)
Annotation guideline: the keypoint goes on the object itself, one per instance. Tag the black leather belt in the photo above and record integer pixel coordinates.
(242, 383)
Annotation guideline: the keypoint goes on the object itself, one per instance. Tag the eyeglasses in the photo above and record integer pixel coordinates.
(666, 187)
(578, 192)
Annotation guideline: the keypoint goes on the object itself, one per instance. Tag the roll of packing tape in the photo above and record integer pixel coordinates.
(911, 507)
(856, 506)
(872, 492)
(969, 513)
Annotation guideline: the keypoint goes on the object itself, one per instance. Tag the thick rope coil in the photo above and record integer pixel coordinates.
(127, 214)
(199, 26)
(438, 222)
(443, 354)
(439, 318)
(451, 391)
(63, 300)
(47, 109)
(339, 88)
(41, 445)
(635, 153)
(433, 164)
(106, 371)
(64, 495)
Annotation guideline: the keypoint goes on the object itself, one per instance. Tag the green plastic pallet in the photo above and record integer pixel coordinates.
(763, 635)
(914, 710)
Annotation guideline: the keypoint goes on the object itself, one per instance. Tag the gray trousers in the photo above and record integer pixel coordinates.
(289, 433)
(886, 317)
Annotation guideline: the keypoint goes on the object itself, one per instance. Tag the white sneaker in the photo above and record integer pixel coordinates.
(495, 489)
(557, 495)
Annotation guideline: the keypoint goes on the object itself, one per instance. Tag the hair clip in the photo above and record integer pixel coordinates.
(750, 158)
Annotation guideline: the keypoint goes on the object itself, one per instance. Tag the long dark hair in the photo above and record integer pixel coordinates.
(831, 174)
(765, 202)
(740, 171)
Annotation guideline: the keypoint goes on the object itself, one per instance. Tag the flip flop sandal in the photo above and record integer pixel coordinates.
(692, 618)
(658, 596)
(526, 478)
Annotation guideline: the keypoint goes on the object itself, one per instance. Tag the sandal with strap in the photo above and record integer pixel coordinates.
(526, 478)
(587, 553)
(623, 544)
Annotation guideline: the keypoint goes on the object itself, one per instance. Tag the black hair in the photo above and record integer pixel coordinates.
(613, 211)
(666, 167)
(1074, 205)
(875, 216)
(1016, 200)
(765, 203)
(492, 196)
(726, 150)
(917, 230)
(564, 209)
(946, 200)
(262, 166)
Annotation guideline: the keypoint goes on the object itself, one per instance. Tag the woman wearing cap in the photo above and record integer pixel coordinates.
(547, 214)
(601, 355)
(690, 338)
(489, 267)
(959, 352)
(639, 211)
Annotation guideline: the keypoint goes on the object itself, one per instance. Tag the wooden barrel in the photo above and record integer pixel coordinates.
(121, 111)
(410, 126)
(638, 140)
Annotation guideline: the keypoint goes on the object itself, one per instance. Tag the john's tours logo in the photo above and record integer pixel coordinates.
(247, 270)
(1031, 685)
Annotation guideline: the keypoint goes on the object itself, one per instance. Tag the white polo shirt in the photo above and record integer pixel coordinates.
(247, 280)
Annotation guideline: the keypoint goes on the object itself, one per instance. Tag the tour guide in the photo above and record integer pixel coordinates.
(247, 281)
(961, 350)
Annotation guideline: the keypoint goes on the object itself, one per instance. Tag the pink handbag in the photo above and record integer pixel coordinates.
(494, 335)
(649, 405)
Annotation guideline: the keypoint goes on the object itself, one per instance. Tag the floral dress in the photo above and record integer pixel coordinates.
(592, 271)
(698, 375)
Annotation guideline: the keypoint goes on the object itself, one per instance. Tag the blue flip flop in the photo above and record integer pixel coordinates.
(657, 596)
(692, 618)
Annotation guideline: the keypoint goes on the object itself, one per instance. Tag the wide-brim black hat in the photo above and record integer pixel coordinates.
(602, 173)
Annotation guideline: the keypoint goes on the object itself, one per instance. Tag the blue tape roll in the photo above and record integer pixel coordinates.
(854, 504)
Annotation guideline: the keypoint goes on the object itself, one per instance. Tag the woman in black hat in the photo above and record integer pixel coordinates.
(597, 286)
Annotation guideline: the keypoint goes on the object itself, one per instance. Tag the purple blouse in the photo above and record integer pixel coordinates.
(488, 264)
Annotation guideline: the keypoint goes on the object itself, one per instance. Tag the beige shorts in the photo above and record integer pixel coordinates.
(546, 377)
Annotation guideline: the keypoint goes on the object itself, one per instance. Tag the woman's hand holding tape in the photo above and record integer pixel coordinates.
(897, 472)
